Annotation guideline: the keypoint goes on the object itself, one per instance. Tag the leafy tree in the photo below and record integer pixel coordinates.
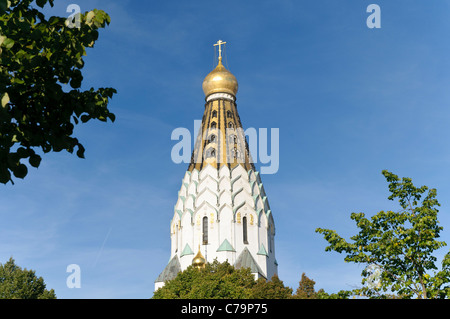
(306, 289)
(18, 283)
(40, 80)
(397, 247)
(273, 289)
(223, 281)
(215, 281)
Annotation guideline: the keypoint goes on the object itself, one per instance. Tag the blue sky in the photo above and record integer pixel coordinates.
(349, 101)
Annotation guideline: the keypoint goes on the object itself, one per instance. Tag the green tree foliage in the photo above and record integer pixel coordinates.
(398, 245)
(18, 283)
(306, 290)
(223, 281)
(215, 281)
(272, 289)
(40, 80)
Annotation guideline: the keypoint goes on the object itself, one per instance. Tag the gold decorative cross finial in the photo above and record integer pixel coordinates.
(219, 43)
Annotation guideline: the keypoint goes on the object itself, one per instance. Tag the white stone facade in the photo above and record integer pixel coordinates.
(213, 209)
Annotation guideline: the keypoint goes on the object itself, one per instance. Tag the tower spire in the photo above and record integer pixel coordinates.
(222, 140)
(220, 43)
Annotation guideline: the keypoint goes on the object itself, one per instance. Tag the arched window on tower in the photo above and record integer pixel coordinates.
(235, 153)
(213, 125)
(244, 230)
(210, 152)
(205, 230)
(230, 125)
(229, 114)
(214, 113)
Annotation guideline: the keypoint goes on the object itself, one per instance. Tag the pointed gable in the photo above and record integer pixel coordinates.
(262, 250)
(171, 270)
(225, 246)
(187, 251)
(246, 260)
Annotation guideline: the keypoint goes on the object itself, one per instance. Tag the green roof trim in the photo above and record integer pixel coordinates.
(238, 207)
(262, 250)
(225, 246)
(186, 251)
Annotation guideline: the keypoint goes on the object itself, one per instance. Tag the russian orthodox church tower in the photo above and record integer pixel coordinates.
(222, 210)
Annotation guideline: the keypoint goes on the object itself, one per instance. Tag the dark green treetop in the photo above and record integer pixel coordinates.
(40, 80)
(18, 283)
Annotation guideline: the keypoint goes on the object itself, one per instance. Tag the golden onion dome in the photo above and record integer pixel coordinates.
(220, 80)
(199, 261)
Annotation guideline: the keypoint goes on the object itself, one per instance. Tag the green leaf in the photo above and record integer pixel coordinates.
(5, 99)
(20, 171)
(5, 175)
(3, 5)
(41, 3)
(84, 118)
(90, 15)
(35, 160)
(80, 151)
(112, 117)
(22, 152)
(8, 43)
(76, 79)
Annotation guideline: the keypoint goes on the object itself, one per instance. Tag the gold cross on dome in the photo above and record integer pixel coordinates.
(219, 43)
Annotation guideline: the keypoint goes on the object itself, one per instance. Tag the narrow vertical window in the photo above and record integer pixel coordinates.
(270, 243)
(176, 237)
(235, 153)
(270, 238)
(244, 229)
(205, 230)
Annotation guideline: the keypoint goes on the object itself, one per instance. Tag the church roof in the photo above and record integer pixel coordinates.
(262, 250)
(246, 260)
(187, 251)
(171, 270)
(225, 246)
